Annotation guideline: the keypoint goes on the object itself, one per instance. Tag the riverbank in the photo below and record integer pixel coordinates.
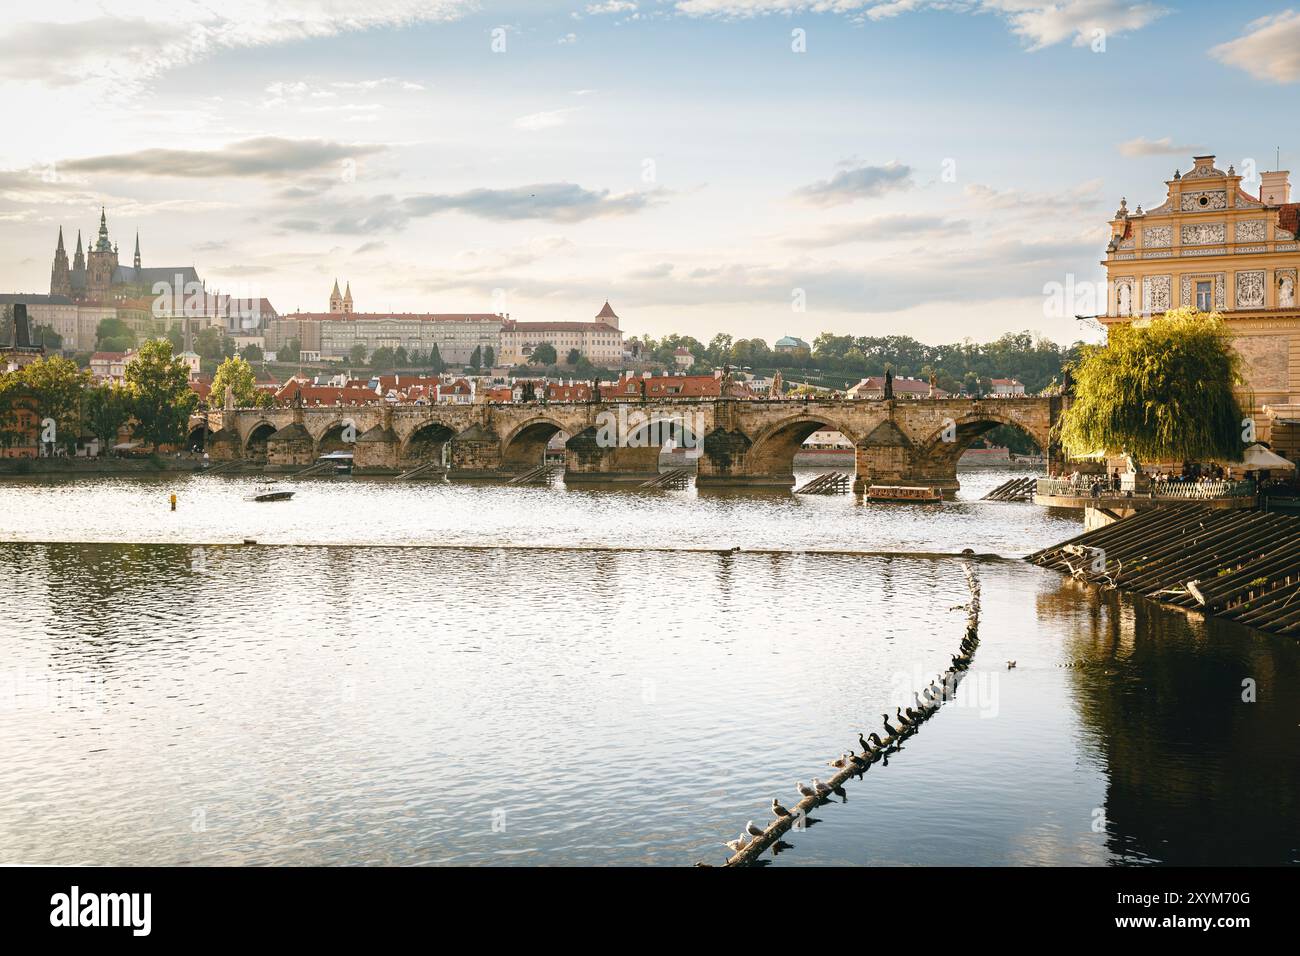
(72, 467)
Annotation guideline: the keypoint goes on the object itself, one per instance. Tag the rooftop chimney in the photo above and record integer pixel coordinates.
(1275, 187)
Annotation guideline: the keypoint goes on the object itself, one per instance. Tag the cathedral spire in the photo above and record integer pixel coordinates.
(137, 249)
(79, 258)
(60, 246)
(102, 244)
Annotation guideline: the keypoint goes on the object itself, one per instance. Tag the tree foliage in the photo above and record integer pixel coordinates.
(239, 375)
(161, 397)
(1160, 390)
(55, 386)
(107, 409)
(544, 354)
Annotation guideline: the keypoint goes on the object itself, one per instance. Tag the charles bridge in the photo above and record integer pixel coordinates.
(737, 442)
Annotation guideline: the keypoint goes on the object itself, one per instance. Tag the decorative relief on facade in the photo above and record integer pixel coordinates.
(1286, 288)
(1243, 250)
(1287, 246)
(1124, 295)
(1250, 290)
(1204, 251)
(1158, 237)
(1126, 244)
(1155, 254)
(1126, 255)
(1201, 201)
(1204, 233)
(1155, 293)
(1251, 231)
(1265, 360)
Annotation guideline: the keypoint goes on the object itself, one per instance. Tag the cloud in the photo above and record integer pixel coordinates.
(1082, 197)
(547, 119)
(882, 229)
(857, 182)
(1269, 50)
(123, 53)
(554, 202)
(265, 157)
(611, 6)
(1038, 24)
(1165, 146)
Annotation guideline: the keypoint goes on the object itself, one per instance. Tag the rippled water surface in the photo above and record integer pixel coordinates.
(526, 696)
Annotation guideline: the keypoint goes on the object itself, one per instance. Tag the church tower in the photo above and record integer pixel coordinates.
(347, 300)
(101, 263)
(136, 262)
(60, 274)
(336, 300)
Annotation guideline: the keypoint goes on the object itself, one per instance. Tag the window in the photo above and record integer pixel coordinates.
(1205, 296)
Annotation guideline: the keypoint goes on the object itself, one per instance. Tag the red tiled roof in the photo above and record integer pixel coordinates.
(403, 316)
(606, 312)
(1288, 217)
(511, 324)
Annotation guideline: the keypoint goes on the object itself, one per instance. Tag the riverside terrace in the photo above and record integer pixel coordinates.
(740, 442)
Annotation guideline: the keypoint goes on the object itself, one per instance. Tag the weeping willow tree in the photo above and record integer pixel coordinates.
(1159, 390)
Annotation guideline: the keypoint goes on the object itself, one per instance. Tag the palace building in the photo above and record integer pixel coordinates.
(1213, 246)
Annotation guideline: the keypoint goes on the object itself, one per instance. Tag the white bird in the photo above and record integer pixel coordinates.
(805, 791)
(753, 830)
(821, 788)
(737, 844)
(840, 762)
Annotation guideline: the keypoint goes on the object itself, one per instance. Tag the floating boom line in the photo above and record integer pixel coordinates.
(749, 854)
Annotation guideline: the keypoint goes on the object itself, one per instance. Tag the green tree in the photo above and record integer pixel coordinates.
(544, 354)
(357, 355)
(382, 359)
(400, 358)
(46, 336)
(489, 357)
(212, 346)
(252, 352)
(289, 352)
(573, 357)
(56, 386)
(161, 397)
(239, 375)
(107, 409)
(114, 335)
(436, 365)
(476, 358)
(1160, 390)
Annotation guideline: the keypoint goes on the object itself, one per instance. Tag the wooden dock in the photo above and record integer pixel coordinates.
(1242, 565)
(1017, 489)
(541, 475)
(831, 483)
(675, 478)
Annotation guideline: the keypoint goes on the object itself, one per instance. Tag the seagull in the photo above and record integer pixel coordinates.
(820, 788)
(737, 844)
(840, 762)
(779, 810)
(1010, 664)
(753, 830)
(806, 791)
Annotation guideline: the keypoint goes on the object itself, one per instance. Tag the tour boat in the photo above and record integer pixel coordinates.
(903, 493)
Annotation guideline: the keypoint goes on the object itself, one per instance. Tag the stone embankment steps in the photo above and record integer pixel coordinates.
(1017, 489)
(1243, 565)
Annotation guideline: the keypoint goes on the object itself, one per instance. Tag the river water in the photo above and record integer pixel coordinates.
(460, 674)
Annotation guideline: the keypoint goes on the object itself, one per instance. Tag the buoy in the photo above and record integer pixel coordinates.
(173, 502)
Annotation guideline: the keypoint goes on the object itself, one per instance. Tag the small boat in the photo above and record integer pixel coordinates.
(906, 493)
(270, 494)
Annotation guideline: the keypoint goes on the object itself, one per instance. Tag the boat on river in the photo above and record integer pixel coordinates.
(270, 494)
(903, 493)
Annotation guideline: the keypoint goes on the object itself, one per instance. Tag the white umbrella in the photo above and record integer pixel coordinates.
(1259, 458)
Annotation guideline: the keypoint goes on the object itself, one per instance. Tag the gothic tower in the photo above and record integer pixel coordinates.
(136, 262)
(347, 300)
(101, 263)
(336, 300)
(60, 274)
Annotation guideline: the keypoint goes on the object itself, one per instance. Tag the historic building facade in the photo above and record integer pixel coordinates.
(1213, 246)
(601, 340)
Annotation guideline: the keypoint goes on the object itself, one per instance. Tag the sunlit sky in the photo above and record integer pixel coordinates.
(918, 167)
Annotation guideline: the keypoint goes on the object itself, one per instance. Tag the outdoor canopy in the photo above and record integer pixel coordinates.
(1259, 458)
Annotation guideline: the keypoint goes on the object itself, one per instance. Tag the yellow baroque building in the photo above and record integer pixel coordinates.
(1214, 246)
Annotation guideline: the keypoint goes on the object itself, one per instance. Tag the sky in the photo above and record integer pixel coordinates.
(755, 167)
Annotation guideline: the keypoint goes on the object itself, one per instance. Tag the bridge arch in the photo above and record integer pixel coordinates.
(425, 443)
(524, 446)
(773, 449)
(256, 437)
(339, 435)
(945, 444)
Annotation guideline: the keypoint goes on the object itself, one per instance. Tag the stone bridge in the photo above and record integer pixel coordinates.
(735, 442)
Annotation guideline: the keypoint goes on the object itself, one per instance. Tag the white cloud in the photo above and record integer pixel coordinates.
(547, 119)
(75, 43)
(1269, 50)
(857, 182)
(1038, 24)
(1165, 146)
(611, 6)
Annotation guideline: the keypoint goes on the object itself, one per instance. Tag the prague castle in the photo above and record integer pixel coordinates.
(97, 276)
(1213, 246)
